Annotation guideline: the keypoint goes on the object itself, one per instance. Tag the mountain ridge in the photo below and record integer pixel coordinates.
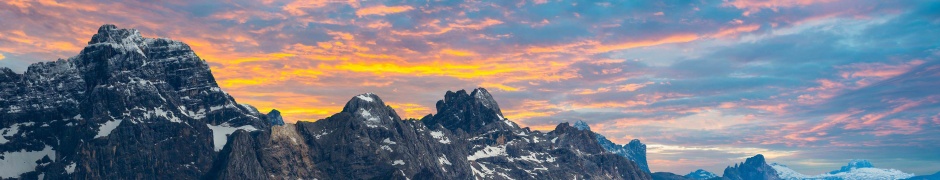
(133, 107)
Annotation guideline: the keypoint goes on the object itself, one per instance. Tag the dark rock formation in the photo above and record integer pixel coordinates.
(274, 117)
(124, 107)
(752, 168)
(635, 150)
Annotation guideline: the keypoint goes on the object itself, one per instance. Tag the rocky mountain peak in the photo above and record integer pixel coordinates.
(274, 117)
(469, 112)
(369, 108)
(110, 33)
(365, 100)
(581, 125)
(486, 99)
(756, 160)
(753, 168)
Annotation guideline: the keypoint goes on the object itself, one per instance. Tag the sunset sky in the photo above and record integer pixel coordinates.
(705, 83)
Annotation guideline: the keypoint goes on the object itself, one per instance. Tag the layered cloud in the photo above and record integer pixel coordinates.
(706, 83)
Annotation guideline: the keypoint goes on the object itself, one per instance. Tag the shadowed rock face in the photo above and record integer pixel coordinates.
(124, 107)
(635, 150)
(129, 107)
(369, 140)
(752, 168)
(274, 117)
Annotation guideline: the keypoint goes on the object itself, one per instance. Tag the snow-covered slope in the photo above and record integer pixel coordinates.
(867, 172)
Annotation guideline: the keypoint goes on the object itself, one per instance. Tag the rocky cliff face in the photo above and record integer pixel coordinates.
(635, 150)
(368, 140)
(129, 107)
(752, 168)
(125, 107)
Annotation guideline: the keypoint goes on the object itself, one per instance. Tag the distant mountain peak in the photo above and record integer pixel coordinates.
(470, 113)
(110, 33)
(700, 174)
(863, 172)
(854, 164)
(485, 98)
(581, 125)
(365, 100)
(753, 168)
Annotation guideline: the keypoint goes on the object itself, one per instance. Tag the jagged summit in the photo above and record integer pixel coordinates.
(486, 99)
(110, 33)
(634, 150)
(369, 108)
(471, 113)
(581, 125)
(753, 168)
(274, 117)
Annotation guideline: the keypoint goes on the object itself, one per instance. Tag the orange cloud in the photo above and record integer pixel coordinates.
(734, 31)
(531, 109)
(299, 7)
(753, 6)
(2, 57)
(382, 10)
(499, 86)
(410, 110)
(457, 52)
(680, 38)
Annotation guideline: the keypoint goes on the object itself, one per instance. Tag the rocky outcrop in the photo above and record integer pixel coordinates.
(752, 168)
(635, 150)
(274, 117)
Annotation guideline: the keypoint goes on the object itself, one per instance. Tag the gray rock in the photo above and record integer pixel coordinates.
(752, 168)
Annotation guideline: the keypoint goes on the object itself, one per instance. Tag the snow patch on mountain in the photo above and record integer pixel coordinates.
(220, 133)
(10, 131)
(440, 137)
(105, 129)
(70, 168)
(19, 162)
(365, 97)
(488, 151)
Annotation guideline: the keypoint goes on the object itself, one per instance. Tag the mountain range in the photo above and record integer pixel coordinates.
(129, 107)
